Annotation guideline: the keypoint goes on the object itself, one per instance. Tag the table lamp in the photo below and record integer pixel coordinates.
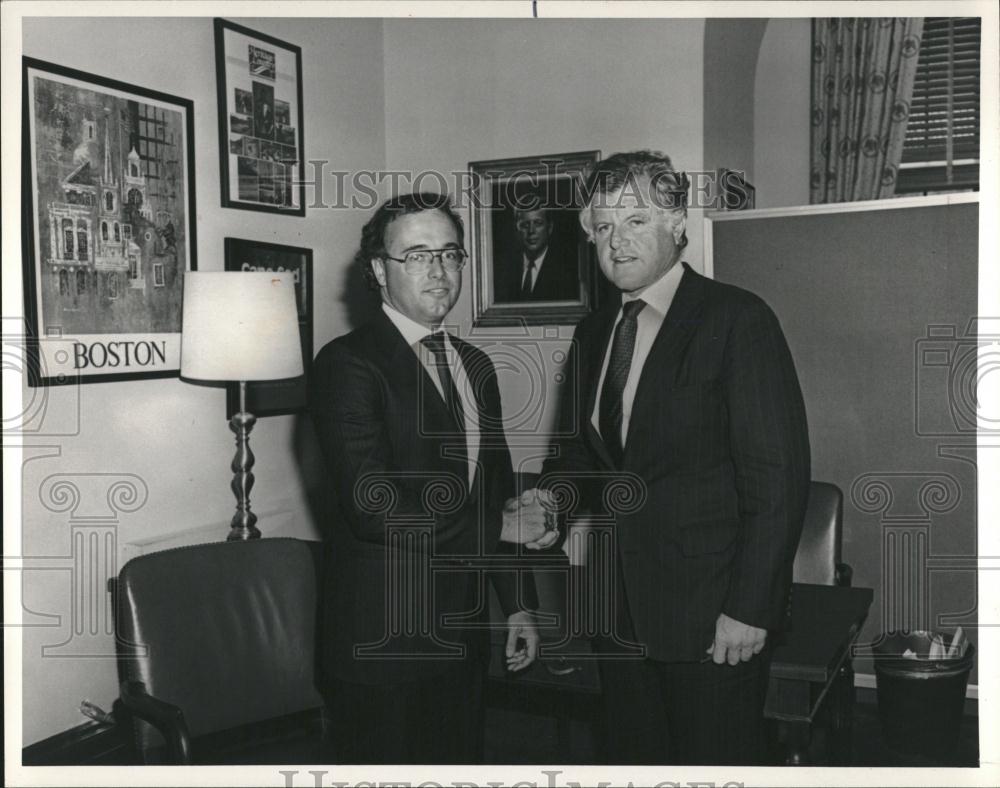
(240, 326)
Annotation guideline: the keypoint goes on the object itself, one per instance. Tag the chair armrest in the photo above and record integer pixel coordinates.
(165, 717)
(842, 575)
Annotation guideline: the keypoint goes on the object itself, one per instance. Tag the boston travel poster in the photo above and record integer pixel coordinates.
(110, 190)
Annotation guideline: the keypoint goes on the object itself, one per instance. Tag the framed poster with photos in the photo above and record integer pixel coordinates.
(261, 155)
(275, 397)
(531, 262)
(108, 201)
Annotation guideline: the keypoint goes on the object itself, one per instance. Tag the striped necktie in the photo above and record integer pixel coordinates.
(622, 346)
(435, 343)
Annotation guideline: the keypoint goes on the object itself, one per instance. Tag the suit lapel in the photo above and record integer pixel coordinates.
(546, 283)
(594, 361)
(675, 332)
(401, 364)
(489, 420)
(410, 378)
(475, 377)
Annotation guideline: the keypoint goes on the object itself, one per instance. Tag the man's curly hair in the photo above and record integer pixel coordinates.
(373, 233)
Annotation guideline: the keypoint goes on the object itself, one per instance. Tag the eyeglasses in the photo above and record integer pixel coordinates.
(418, 262)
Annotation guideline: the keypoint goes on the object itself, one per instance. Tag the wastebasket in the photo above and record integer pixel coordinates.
(920, 700)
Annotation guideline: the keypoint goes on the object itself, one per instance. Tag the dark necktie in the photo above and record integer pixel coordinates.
(435, 343)
(610, 413)
(526, 282)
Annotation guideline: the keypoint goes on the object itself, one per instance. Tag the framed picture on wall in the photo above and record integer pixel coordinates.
(108, 202)
(531, 263)
(275, 397)
(261, 157)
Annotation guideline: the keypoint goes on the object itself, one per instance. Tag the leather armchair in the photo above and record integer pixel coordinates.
(818, 559)
(217, 652)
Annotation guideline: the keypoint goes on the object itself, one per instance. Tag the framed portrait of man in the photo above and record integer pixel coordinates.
(531, 261)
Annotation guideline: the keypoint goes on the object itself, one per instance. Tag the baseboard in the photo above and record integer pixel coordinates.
(867, 681)
(283, 518)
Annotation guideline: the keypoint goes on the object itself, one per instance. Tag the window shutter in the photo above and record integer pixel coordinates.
(943, 126)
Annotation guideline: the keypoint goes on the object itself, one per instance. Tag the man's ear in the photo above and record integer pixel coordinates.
(584, 217)
(378, 268)
(679, 221)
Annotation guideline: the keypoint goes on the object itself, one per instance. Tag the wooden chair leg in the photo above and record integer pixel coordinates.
(842, 717)
(796, 738)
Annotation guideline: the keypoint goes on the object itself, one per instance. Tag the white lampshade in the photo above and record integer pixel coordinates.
(240, 326)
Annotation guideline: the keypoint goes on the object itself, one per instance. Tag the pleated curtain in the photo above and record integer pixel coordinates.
(862, 84)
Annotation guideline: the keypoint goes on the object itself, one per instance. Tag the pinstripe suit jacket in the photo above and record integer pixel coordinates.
(388, 442)
(718, 436)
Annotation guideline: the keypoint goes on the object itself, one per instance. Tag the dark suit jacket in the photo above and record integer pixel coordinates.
(558, 279)
(385, 434)
(718, 436)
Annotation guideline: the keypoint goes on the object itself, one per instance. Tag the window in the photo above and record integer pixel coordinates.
(81, 282)
(64, 282)
(104, 231)
(158, 274)
(109, 201)
(67, 227)
(133, 267)
(941, 150)
(112, 285)
(81, 241)
(118, 232)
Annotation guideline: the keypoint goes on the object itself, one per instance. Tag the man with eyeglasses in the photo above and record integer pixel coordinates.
(408, 417)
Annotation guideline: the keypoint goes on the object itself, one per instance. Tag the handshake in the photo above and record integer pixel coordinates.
(531, 520)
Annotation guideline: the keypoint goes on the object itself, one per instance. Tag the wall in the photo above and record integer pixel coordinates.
(781, 114)
(731, 51)
(171, 435)
(907, 471)
(460, 91)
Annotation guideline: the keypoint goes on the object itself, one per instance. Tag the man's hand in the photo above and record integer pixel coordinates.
(521, 625)
(735, 641)
(526, 521)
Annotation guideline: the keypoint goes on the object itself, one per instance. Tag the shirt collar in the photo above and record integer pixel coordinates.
(411, 330)
(538, 260)
(660, 294)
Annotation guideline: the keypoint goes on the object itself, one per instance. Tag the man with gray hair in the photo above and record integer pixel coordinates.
(687, 384)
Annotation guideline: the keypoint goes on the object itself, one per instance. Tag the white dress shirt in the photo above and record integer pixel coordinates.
(658, 297)
(413, 332)
(525, 262)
